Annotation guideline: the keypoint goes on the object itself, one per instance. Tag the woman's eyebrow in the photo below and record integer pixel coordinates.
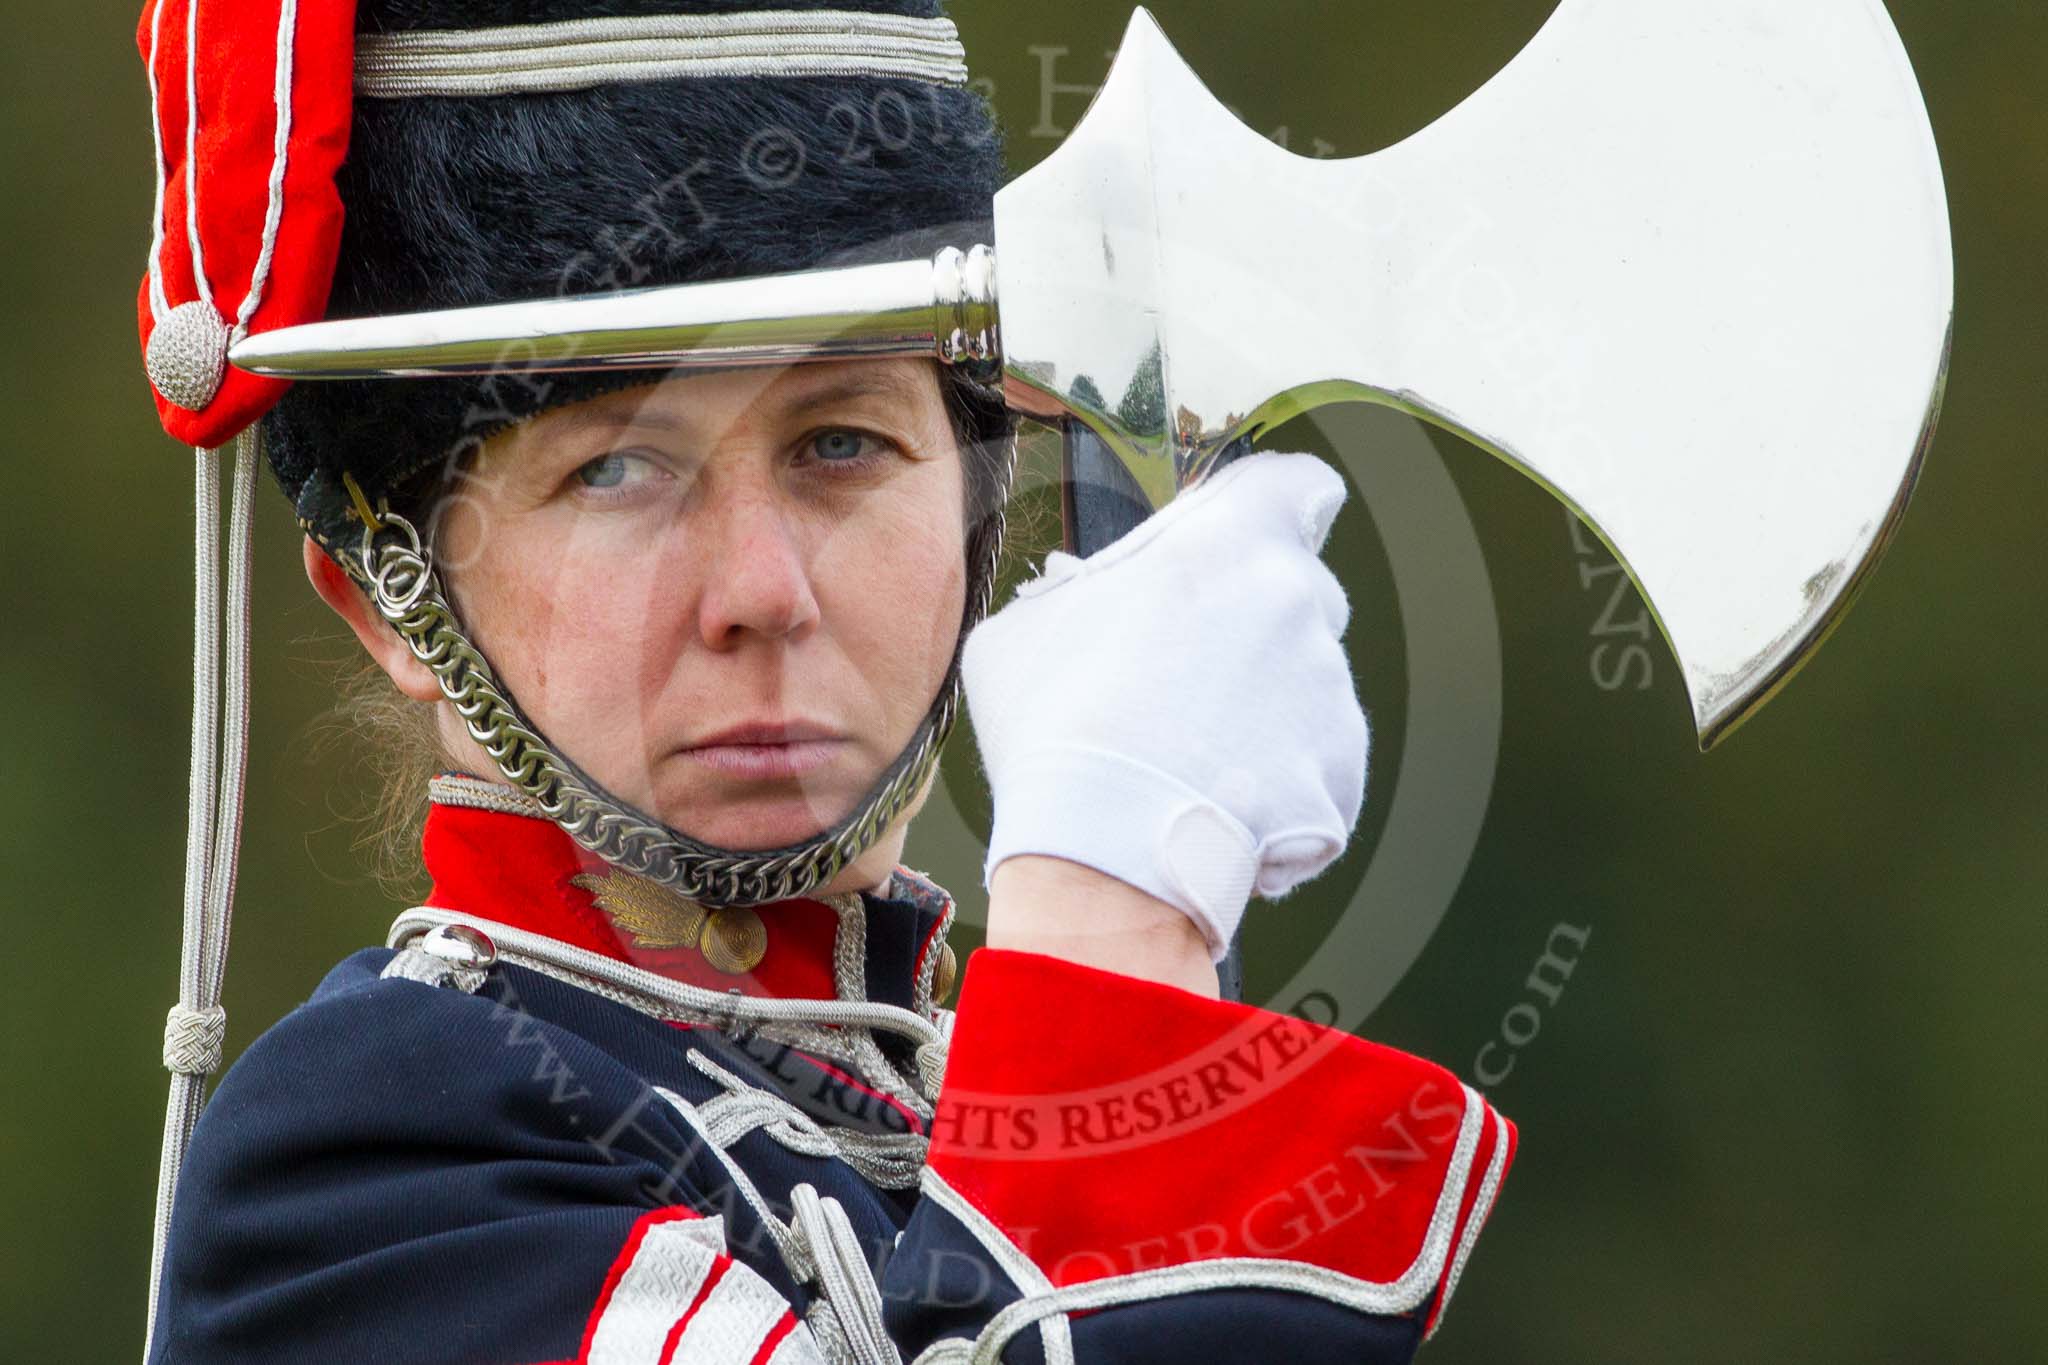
(613, 417)
(796, 398)
(868, 383)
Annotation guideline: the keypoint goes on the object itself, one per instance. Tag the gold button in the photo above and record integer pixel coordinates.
(947, 972)
(735, 940)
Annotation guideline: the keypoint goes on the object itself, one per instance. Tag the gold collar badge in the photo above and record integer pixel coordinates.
(732, 938)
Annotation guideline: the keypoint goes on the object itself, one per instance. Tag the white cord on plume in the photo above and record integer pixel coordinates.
(259, 279)
(199, 280)
(194, 1031)
(158, 304)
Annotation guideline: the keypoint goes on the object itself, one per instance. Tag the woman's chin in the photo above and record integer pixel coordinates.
(746, 813)
(757, 822)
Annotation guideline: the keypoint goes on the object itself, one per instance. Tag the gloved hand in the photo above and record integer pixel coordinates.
(1176, 711)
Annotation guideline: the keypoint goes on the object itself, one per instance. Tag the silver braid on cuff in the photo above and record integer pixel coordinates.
(407, 592)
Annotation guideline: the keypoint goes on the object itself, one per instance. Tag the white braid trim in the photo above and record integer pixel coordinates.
(287, 31)
(192, 156)
(158, 304)
(580, 53)
(1381, 1298)
(1056, 1333)
(1482, 1207)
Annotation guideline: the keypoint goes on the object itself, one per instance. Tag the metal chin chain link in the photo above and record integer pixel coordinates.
(408, 594)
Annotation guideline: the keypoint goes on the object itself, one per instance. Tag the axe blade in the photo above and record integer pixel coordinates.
(1684, 262)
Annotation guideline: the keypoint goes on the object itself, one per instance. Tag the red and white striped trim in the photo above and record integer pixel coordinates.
(741, 1319)
(676, 1295)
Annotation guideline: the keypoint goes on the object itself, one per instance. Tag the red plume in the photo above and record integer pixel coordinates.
(246, 187)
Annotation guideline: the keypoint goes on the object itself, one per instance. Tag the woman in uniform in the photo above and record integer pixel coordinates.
(663, 1069)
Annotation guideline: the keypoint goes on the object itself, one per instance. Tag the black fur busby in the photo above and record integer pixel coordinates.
(458, 201)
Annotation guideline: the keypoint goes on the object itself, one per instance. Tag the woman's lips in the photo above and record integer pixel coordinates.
(766, 761)
(768, 749)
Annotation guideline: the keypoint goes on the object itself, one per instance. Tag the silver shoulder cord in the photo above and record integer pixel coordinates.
(197, 1026)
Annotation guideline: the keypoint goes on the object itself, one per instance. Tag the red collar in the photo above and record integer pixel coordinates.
(526, 872)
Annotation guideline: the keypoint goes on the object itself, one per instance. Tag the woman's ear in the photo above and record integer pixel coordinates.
(340, 592)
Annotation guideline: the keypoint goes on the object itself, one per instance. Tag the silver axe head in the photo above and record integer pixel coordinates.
(1686, 263)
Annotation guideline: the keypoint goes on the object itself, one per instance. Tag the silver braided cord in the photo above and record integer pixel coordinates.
(889, 1160)
(196, 1026)
(824, 1327)
(856, 1051)
(849, 972)
(818, 1246)
(844, 1278)
(856, 1048)
(931, 1057)
(406, 588)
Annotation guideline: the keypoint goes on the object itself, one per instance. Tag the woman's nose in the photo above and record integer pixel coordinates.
(757, 581)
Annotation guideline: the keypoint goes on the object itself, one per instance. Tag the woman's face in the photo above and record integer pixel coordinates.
(731, 596)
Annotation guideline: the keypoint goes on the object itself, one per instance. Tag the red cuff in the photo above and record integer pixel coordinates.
(1109, 1124)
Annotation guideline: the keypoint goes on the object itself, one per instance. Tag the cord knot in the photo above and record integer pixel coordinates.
(931, 1068)
(192, 1039)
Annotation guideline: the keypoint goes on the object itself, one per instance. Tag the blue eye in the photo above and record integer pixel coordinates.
(840, 446)
(606, 471)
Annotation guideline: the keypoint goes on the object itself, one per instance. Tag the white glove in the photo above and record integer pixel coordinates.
(1176, 710)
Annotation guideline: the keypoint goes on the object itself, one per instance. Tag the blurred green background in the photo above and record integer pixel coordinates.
(1787, 1108)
